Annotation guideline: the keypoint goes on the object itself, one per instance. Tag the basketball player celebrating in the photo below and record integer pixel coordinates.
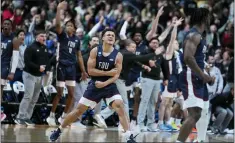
(69, 52)
(104, 66)
(9, 55)
(193, 77)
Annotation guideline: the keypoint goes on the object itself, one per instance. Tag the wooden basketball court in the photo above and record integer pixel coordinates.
(40, 133)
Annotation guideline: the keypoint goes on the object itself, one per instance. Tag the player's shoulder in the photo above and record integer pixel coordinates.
(194, 37)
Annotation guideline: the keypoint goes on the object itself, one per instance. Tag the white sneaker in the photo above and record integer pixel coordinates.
(60, 120)
(100, 121)
(143, 128)
(51, 121)
(153, 127)
(132, 125)
(78, 124)
(120, 128)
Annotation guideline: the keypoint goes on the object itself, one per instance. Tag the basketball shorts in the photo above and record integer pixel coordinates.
(173, 84)
(65, 75)
(193, 89)
(133, 80)
(93, 95)
(5, 70)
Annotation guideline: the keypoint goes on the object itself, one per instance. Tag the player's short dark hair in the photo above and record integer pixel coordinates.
(71, 21)
(9, 21)
(19, 31)
(199, 16)
(106, 30)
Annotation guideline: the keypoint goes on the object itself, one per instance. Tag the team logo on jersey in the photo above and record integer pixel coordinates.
(76, 40)
(111, 59)
(9, 40)
(37, 50)
(45, 50)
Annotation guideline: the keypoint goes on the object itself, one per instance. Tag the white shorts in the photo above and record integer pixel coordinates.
(165, 93)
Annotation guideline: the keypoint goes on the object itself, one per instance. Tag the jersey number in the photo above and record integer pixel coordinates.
(70, 50)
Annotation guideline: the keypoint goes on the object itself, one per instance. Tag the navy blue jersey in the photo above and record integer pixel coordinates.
(200, 52)
(68, 48)
(104, 63)
(140, 49)
(7, 48)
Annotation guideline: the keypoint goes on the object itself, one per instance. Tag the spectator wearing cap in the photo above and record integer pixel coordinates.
(36, 64)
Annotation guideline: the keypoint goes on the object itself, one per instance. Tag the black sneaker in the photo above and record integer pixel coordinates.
(29, 122)
(19, 121)
(214, 130)
(132, 139)
(222, 132)
(55, 134)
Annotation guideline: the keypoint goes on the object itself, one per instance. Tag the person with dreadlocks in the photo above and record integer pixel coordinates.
(193, 78)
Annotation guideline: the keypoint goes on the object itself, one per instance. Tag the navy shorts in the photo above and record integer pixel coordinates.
(65, 75)
(93, 95)
(173, 84)
(5, 70)
(132, 78)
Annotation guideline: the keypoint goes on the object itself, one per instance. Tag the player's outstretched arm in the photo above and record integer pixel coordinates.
(118, 66)
(170, 48)
(61, 6)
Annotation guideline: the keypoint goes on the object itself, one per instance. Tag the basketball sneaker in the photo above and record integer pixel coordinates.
(28, 122)
(3, 116)
(19, 121)
(175, 126)
(100, 121)
(152, 127)
(51, 121)
(55, 134)
(163, 127)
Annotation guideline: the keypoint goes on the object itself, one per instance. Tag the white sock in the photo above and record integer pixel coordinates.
(52, 114)
(202, 125)
(60, 127)
(172, 120)
(178, 121)
(160, 122)
(168, 122)
(64, 115)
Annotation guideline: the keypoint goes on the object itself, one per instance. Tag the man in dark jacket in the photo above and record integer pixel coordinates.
(36, 64)
(221, 107)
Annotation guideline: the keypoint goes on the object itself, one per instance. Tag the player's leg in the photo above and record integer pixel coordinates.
(137, 91)
(202, 125)
(161, 114)
(60, 84)
(89, 99)
(77, 96)
(194, 114)
(4, 74)
(169, 103)
(118, 106)
(70, 82)
(70, 118)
